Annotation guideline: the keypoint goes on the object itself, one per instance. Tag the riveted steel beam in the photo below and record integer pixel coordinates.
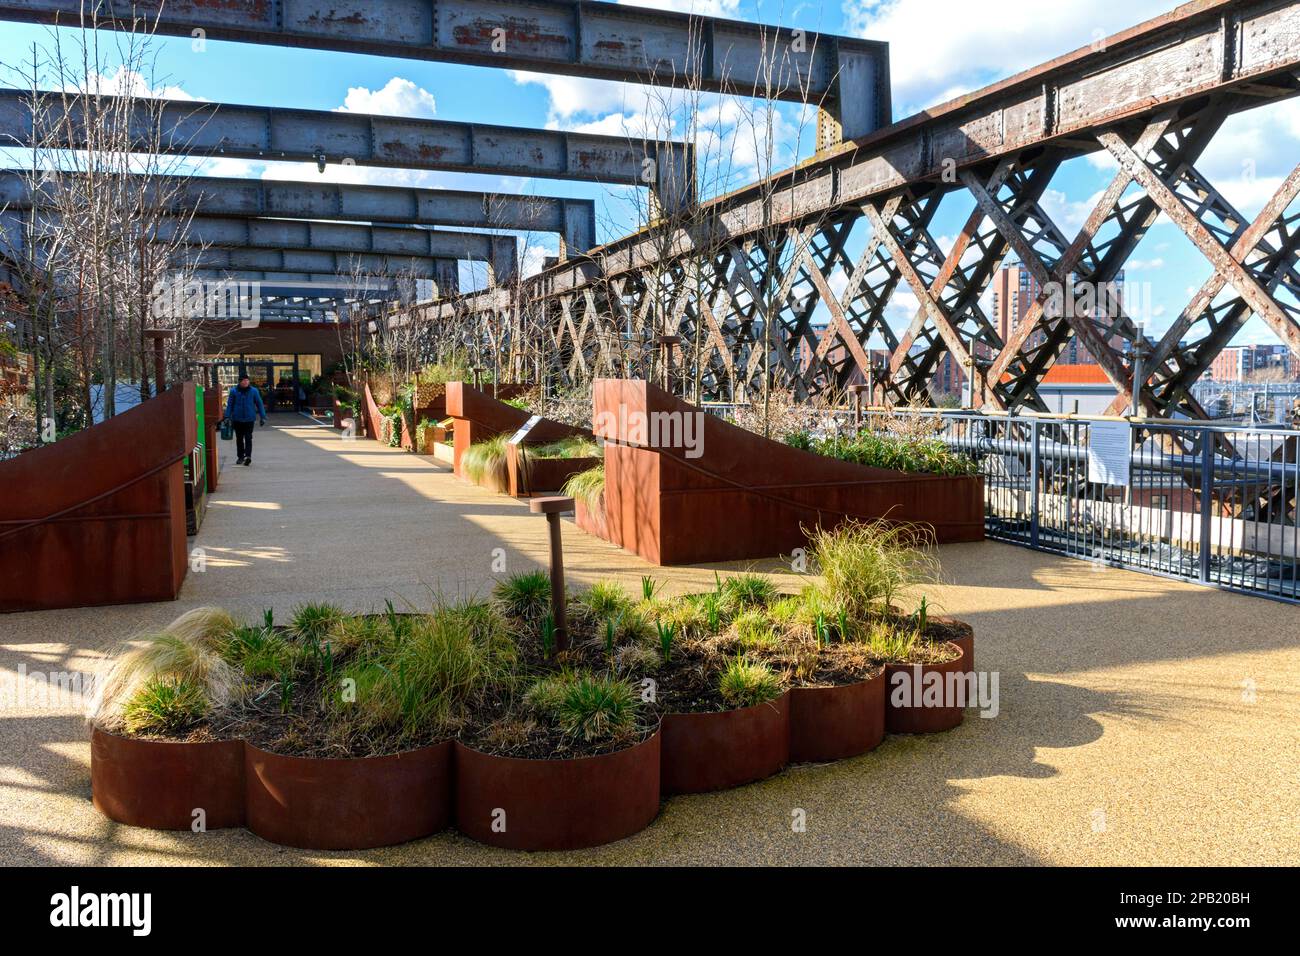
(262, 133)
(848, 77)
(573, 219)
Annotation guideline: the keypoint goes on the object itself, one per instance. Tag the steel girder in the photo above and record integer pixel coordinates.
(847, 77)
(573, 219)
(428, 246)
(1153, 96)
(260, 133)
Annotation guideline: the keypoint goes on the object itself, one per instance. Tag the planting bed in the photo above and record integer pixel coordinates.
(340, 731)
(732, 495)
(479, 417)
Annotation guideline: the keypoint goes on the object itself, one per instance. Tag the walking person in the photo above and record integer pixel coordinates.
(243, 407)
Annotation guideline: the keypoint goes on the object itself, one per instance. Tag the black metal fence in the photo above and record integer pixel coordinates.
(1198, 501)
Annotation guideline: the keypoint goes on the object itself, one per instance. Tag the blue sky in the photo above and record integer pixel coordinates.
(980, 42)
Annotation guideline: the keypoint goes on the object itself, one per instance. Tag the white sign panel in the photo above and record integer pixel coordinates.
(1109, 446)
(520, 435)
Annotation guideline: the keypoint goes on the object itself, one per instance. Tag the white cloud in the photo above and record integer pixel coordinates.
(940, 48)
(1136, 265)
(1068, 214)
(399, 97)
(127, 82)
(576, 95)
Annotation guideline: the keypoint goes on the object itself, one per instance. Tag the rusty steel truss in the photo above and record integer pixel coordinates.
(743, 279)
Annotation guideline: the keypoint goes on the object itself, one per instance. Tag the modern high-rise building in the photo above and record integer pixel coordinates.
(1015, 289)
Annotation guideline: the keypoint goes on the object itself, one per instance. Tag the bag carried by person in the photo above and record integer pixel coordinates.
(227, 430)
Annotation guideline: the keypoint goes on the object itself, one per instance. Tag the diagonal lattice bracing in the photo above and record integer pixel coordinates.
(1267, 249)
(765, 263)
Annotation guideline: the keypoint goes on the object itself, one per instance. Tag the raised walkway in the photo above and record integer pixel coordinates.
(1142, 721)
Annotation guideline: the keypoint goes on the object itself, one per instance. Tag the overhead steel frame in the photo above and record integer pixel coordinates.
(261, 133)
(1153, 96)
(573, 219)
(847, 78)
(436, 254)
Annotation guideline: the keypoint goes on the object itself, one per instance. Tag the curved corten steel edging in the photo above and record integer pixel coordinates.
(831, 723)
(911, 706)
(673, 506)
(523, 804)
(963, 637)
(478, 417)
(720, 750)
(348, 803)
(161, 784)
(99, 517)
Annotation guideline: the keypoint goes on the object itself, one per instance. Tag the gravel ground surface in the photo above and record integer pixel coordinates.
(1141, 721)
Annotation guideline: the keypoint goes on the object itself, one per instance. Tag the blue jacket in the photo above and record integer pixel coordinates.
(244, 406)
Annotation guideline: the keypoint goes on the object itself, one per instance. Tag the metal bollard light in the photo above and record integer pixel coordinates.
(553, 507)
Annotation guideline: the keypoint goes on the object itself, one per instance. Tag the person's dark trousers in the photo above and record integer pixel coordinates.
(243, 440)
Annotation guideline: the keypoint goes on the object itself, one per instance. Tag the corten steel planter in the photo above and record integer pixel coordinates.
(831, 723)
(744, 496)
(715, 751)
(99, 517)
(541, 476)
(348, 803)
(370, 414)
(591, 520)
(478, 416)
(160, 783)
(213, 411)
(557, 804)
(906, 710)
(963, 635)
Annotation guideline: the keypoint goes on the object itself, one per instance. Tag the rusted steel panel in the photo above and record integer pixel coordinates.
(717, 751)
(831, 723)
(554, 804)
(160, 783)
(1163, 73)
(99, 517)
(745, 496)
(348, 803)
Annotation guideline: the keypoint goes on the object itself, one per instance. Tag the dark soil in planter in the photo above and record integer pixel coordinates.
(160, 783)
(502, 726)
(557, 804)
(348, 803)
(305, 730)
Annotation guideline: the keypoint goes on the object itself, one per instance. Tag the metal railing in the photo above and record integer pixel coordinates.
(1198, 501)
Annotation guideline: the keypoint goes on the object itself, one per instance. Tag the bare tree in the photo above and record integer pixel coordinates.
(106, 230)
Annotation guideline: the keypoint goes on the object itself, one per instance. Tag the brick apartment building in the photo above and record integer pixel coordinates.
(1242, 363)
